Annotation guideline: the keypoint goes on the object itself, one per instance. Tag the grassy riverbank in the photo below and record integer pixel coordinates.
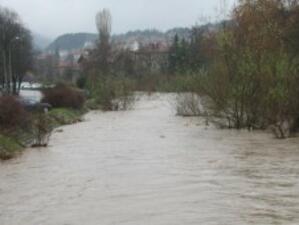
(9, 147)
(14, 142)
(65, 116)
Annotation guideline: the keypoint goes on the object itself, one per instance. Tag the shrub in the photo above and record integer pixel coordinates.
(12, 113)
(188, 104)
(64, 96)
(114, 93)
(42, 130)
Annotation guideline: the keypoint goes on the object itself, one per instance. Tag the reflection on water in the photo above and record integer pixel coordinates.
(148, 166)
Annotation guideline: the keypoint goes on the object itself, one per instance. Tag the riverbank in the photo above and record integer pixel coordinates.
(15, 142)
(148, 165)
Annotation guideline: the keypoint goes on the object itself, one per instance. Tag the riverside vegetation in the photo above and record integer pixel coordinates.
(21, 128)
(241, 72)
(247, 68)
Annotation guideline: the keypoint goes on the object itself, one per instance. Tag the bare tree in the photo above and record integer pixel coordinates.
(104, 23)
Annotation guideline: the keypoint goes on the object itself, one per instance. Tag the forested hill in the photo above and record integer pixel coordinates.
(72, 41)
(79, 40)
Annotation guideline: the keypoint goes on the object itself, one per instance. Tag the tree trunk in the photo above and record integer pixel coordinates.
(5, 71)
(9, 72)
(14, 85)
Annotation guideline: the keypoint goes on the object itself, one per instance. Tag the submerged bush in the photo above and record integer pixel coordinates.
(64, 96)
(42, 130)
(188, 104)
(112, 93)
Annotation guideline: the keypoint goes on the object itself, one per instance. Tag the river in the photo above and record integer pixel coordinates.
(149, 167)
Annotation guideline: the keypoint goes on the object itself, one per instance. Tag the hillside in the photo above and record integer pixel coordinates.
(78, 40)
(72, 41)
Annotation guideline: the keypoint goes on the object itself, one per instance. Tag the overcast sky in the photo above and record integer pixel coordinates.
(54, 17)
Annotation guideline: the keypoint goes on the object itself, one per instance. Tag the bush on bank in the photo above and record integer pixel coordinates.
(20, 129)
(12, 113)
(63, 96)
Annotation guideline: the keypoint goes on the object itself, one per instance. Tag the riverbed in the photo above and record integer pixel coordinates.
(147, 166)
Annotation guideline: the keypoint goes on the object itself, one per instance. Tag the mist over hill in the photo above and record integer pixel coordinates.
(40, 42)
(80, 40)
(72, 41)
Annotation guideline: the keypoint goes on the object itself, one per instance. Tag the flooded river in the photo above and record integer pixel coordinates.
(149, 167)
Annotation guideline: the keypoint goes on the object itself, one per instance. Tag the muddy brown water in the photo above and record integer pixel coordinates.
(149, 167)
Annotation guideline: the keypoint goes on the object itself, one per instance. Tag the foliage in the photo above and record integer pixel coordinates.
(252, 76)
(64, 96)
(188, 55)
(112, 93)
(108, 71)
(247, 70)
(12, 113)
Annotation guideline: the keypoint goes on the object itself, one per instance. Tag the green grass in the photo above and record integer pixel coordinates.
(9, 147)
(65, 116)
